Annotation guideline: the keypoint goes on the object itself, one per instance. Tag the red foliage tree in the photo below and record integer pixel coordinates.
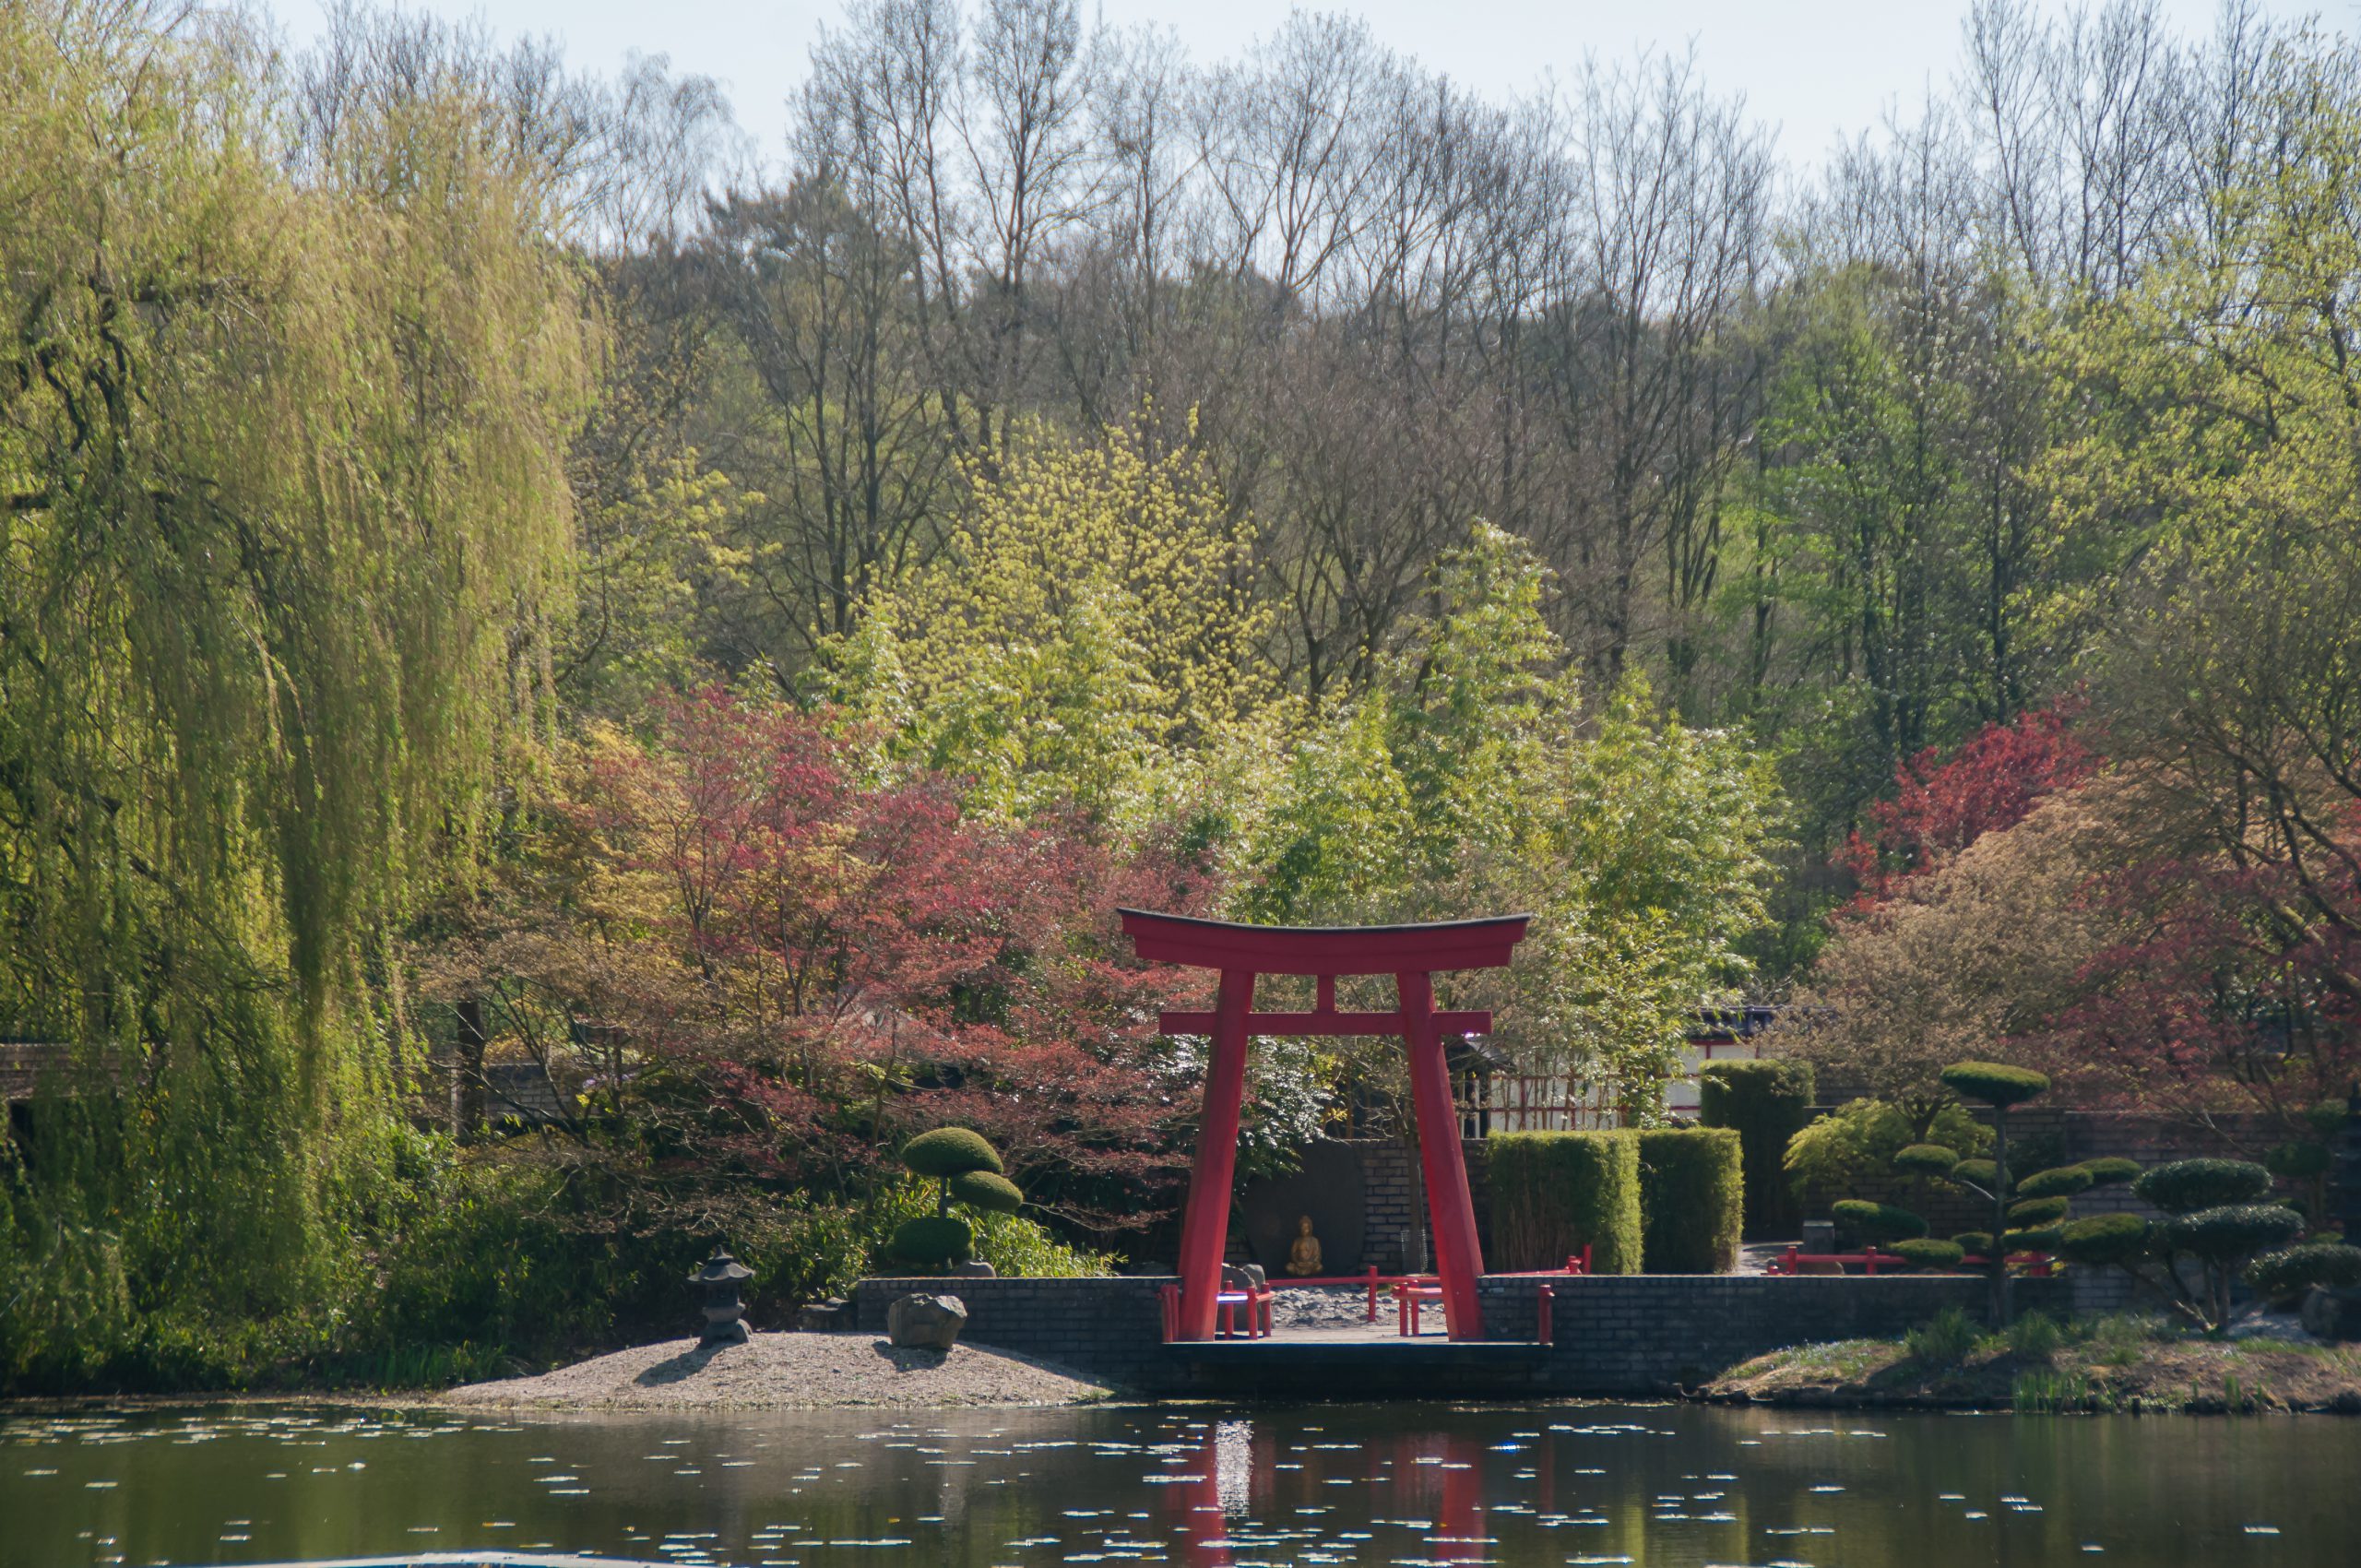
(1941, 805)
(871, 962)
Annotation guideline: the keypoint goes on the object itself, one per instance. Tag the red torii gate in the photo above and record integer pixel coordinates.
(1411, 954)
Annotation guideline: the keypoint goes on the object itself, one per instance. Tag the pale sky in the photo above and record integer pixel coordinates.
(1817, 69)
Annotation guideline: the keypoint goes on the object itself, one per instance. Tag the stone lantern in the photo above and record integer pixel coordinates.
(717, 1285)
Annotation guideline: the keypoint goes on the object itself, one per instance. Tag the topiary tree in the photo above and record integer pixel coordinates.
(2215, 1231)
(2026, 1216)
(2001, 1086)
(966, 1168)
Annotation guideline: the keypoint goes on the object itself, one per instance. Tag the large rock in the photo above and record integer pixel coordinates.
(925, 1322)
(2331, 1313)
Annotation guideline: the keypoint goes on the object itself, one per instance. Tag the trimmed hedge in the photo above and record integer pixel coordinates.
(2187, 1185)
(1995, 1083)
(1552, 1193)
(1693, 1200)
(1765, 1102)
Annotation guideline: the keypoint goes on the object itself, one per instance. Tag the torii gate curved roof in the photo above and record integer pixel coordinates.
(1424, 949)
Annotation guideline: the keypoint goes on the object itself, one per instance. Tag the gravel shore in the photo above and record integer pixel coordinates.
(785, 1371)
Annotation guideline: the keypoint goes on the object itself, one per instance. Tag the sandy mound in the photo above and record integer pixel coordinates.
(804, 1371)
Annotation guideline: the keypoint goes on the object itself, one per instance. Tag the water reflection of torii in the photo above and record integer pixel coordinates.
(1411, 954)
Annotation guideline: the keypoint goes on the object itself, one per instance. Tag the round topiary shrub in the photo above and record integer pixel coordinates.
(2187, 1185)
(2063, 1182)
(1927, 1159)
(2038, 1238)
(2110, 1170)
(1983, 1172)
(2105, 1239)
(996, 1194)
(2291, 1270)
(1977, 1242)
(2234, 1230)
(2039, 1211)
(933, 1240)
(1994, 1082)
(1920, 1251)
(950, 1151)
(1877, 1222)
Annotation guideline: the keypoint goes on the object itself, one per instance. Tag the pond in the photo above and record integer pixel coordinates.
(1410, 1485)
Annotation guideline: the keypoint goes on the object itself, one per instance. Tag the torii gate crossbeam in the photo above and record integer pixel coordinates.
(1411, 954)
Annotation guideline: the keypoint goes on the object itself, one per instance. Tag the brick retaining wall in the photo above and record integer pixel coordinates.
(1615, 1334)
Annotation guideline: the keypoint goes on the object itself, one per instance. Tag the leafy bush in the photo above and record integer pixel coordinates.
(1766, 1102)
(2110, 1171)
(2034, 1239)
(1944, 1339)
(1927, 1159)
(2119, 1239)
(2061, 1183)
(1877, 1222)
(2233, 1230)
(984, 1190)
(2291, 1270)
(1861, 1137)
(1995, 1083)
(1553, 1193)
(1983, 1172)
(2187, 1185)
(1920, 1251)
(950, 1151)
(1977, 1242)
(2039, 1211)
(1691, 1199)
(933, 1241)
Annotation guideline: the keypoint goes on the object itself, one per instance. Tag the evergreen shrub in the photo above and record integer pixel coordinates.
(1692, 1199)
(1765, 1102)
(1552, 1193)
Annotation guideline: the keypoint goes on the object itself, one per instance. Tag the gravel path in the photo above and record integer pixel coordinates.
(787, 1371)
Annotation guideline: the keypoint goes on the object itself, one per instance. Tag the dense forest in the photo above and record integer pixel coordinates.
(494, 568)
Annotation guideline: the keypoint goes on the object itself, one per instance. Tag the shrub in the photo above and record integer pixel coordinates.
(2036, 1238)
(2298, 1162)
(1995, 1083)
(933, 1241)
(2291, 1270)
(2036, 1336)
(2060, 1183)
(1983, 1172)
(2187, 1185)
(1765, 1102)
(2120, 1239)
(1977, 1242)
(2233, 1230)
(1691, 1199)
(1920, 1251)
(2110, 1171)
(1877, 1222)
(1942, 1339)
(1860, 1140)
(2039, 1211)
(950, 1151)
(984, 1190)
(1553, 1193)
(1927, 1159)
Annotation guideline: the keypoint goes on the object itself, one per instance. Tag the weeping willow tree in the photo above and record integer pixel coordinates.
(284, 402)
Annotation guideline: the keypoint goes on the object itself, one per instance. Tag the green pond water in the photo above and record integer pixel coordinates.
(1409, 1485)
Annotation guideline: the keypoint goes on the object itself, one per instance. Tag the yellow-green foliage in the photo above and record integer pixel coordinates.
(1085, 635)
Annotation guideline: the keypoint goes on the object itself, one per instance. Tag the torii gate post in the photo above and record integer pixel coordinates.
(1411, 954)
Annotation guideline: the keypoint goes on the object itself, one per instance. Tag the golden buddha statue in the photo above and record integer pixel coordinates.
(1303, 1257)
